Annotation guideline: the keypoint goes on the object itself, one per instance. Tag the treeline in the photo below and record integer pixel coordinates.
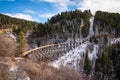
(107, 22)
(70, 15)
(16, 24)
(107, 66)
(64, 25)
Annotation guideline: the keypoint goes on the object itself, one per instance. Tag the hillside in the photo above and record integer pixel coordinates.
(71, 25)
(14, 67)
(98, 57)
(107, 23)
(72, 45)
(7, 22)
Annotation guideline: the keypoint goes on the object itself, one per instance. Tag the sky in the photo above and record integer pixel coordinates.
(42, 10)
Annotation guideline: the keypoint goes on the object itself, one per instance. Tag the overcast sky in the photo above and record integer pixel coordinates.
(41, 10)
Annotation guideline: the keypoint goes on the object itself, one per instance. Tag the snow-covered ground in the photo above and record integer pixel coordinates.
(74, 58)
(12, 35)
(91, 20)
(115, 40)
(71, 58)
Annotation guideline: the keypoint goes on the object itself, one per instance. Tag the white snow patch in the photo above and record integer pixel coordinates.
(27, 78)
(27, 35)
(92, 54)
(13, 36)
(13, 68)
(91, 20)
(115, 40)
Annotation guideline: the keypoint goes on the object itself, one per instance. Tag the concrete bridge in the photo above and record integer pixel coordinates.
(51, 52)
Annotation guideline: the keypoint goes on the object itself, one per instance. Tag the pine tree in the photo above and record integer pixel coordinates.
(22, 43)
(87, 65)
(105, 62)
(90, 40)
(95, 40)
(85, 31)
(118, 72)
(105, 39)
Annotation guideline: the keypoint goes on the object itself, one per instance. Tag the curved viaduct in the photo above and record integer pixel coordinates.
(51, 52)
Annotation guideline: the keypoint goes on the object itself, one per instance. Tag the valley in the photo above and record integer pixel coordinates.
(74, 43)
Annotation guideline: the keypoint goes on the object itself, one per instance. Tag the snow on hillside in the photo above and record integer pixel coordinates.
(75, 57)
(12, 36)
(91, 20)
(72, 58)
(115, 40)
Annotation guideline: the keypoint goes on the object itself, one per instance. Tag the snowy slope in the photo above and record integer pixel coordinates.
(75, 57)
(12, 35)
(71, 58)
(91, 20)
